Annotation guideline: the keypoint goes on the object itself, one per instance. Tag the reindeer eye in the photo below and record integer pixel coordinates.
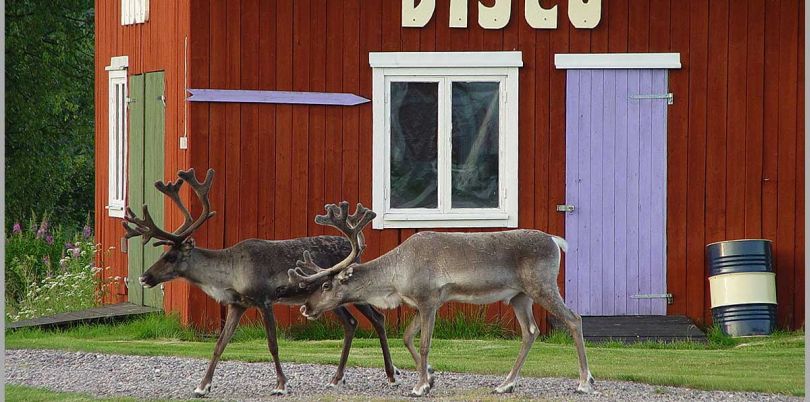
(326, 286)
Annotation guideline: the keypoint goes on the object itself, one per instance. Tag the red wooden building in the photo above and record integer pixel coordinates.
(554, 103)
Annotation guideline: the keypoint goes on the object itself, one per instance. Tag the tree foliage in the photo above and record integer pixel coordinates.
(49, 98)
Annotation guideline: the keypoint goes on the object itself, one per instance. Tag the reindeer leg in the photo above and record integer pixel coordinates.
(522, 304)
(269, 319)
(407, 338)
(235, 313)
(427, 318)
(555, 305)
(378, 322)
(349, 326)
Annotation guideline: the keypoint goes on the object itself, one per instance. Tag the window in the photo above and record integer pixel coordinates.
(134, 11)
(445, 139)
(117, 138)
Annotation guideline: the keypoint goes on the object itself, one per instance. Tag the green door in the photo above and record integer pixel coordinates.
(146, 133)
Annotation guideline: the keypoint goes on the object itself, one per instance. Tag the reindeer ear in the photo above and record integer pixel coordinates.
(344, 276)
(189, 244)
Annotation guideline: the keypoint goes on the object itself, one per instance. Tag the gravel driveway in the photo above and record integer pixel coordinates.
(161, 377)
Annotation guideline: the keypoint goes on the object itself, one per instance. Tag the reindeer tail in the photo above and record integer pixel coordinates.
(561, 243)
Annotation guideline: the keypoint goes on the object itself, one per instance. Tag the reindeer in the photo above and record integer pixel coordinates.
(429, 269)
(252, 273)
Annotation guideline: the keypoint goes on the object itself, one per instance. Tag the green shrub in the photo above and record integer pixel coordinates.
(718, 338)
(250, 332)
(318, 330)
(49, 270)
(461, 326)
(31, 253)
(558, 337)
(470, 326)
(158, 326)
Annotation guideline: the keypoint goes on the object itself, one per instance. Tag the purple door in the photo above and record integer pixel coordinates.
(616, 183)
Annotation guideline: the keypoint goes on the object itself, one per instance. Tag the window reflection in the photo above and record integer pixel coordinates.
(414, 142)
(475, 145)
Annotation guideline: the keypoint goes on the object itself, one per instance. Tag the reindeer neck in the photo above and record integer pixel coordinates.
(377, 277)
(211, 267)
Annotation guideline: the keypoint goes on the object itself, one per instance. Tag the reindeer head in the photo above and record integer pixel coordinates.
(174, 261)
(332, 293)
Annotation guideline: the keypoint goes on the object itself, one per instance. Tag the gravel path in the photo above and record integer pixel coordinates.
(174, 378)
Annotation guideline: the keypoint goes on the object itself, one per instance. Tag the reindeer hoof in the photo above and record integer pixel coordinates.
(336, 381)
(431, 377)
(279, 391)
(201, 392)
(505, 388)
(420, 390)
(585, 389)
(393, 383)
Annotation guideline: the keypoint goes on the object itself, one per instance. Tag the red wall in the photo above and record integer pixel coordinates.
(736, 153)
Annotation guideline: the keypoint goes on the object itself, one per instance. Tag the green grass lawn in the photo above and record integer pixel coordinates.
(774, 364)
(30, 394)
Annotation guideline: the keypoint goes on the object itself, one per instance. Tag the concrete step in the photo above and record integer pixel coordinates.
(638, 328)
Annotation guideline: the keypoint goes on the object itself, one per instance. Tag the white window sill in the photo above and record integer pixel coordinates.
(115, 211)
(458, 220)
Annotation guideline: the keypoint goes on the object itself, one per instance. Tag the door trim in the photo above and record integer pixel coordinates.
(565, 61)
(146, 164)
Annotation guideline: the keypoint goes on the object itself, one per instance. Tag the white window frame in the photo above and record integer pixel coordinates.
(134, 11)
(117, 135)
(445, 68)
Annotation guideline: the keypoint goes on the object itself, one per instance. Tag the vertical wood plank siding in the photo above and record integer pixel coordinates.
(156, 45)
(734, 164)
(616, 177)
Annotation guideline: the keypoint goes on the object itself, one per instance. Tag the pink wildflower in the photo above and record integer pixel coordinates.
(87, 231)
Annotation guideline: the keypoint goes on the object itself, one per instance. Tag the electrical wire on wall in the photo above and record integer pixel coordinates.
(184, 138)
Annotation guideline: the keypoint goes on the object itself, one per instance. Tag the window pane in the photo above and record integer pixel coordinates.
(475, 145)
(122, 102)
(414, 142)
(116, 155)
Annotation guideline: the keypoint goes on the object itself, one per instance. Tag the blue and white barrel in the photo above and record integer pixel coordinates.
(743, 286)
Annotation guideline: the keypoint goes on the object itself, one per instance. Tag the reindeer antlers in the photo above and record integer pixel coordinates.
(147, 228)
(201, 189)
(351, 226)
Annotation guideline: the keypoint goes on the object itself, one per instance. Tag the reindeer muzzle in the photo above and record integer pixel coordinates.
(311, 317)
(147, 281)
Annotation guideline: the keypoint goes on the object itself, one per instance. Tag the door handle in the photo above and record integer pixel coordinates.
(565, 208)
(667, 296)
(668, 96)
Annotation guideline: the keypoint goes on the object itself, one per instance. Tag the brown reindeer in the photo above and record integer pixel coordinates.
(252, 273)
(429, 269)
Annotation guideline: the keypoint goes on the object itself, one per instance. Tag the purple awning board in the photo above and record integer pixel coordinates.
(297, 98)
